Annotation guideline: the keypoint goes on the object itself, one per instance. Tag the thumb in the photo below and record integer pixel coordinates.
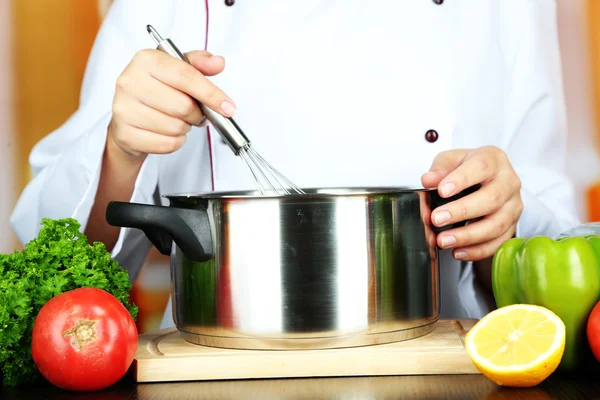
(205, 62)
(444, 163)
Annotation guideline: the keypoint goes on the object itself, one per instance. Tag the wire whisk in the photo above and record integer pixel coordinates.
(266, 178)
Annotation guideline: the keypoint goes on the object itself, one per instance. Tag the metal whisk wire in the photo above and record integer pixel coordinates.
(264, 174)
(260, 168)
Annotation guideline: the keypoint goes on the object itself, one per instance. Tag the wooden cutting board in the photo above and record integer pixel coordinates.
(164, 356)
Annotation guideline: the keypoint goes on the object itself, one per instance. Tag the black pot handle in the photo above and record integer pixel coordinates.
(437, 201)
(189, 229)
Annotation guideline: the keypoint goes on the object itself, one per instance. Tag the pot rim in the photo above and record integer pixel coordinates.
(317, 192)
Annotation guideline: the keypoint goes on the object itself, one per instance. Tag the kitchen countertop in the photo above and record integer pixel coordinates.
(392, 387)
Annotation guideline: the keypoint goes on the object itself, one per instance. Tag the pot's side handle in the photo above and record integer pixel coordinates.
(189, 229)
(438, 201)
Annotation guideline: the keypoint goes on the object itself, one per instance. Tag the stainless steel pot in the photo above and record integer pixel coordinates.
(336, 267)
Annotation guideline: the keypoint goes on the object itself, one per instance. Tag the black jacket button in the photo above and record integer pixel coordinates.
(431, 136)
(438, 2)
(229, 3)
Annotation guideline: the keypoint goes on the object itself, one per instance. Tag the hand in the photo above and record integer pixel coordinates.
(498, 201)
(154, 108)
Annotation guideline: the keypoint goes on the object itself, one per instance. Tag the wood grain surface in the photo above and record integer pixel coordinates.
(429, 387)
(165, 357)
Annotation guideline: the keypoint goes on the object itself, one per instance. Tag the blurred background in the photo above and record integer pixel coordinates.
(41, 72)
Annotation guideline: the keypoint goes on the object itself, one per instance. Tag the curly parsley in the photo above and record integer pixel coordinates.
(58, 260)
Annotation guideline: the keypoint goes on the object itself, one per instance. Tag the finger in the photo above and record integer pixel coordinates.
(482, 202)
(479, 166)
(483, 250)
(184, 77)
(432, 179)
(205, 62)
(444, 163)
(491, 227)
(146, 118)
(144, 141)
(155, 94)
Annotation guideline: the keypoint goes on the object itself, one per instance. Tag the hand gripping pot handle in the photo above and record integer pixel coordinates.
(438, 201)
(189, 229)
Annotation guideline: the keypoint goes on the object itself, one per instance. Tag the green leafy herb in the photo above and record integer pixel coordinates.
(58, 260)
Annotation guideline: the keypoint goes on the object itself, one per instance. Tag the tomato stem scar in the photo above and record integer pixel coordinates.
(82, 333)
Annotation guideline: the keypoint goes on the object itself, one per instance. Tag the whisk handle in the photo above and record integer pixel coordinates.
(227, 128)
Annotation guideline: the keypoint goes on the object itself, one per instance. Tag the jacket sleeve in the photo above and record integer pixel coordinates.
(536, 132)
(65, 165)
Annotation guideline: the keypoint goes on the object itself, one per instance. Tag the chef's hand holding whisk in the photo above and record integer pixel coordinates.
(154, 108)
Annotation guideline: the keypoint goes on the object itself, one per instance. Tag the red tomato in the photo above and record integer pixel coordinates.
(593, 330)
(84, 340)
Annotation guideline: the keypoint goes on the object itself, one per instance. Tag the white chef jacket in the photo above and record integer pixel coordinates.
(332, 93)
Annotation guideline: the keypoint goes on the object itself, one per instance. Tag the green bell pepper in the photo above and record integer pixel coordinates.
(562, 275)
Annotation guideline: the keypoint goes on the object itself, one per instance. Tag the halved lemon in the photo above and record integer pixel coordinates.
(518, 345)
